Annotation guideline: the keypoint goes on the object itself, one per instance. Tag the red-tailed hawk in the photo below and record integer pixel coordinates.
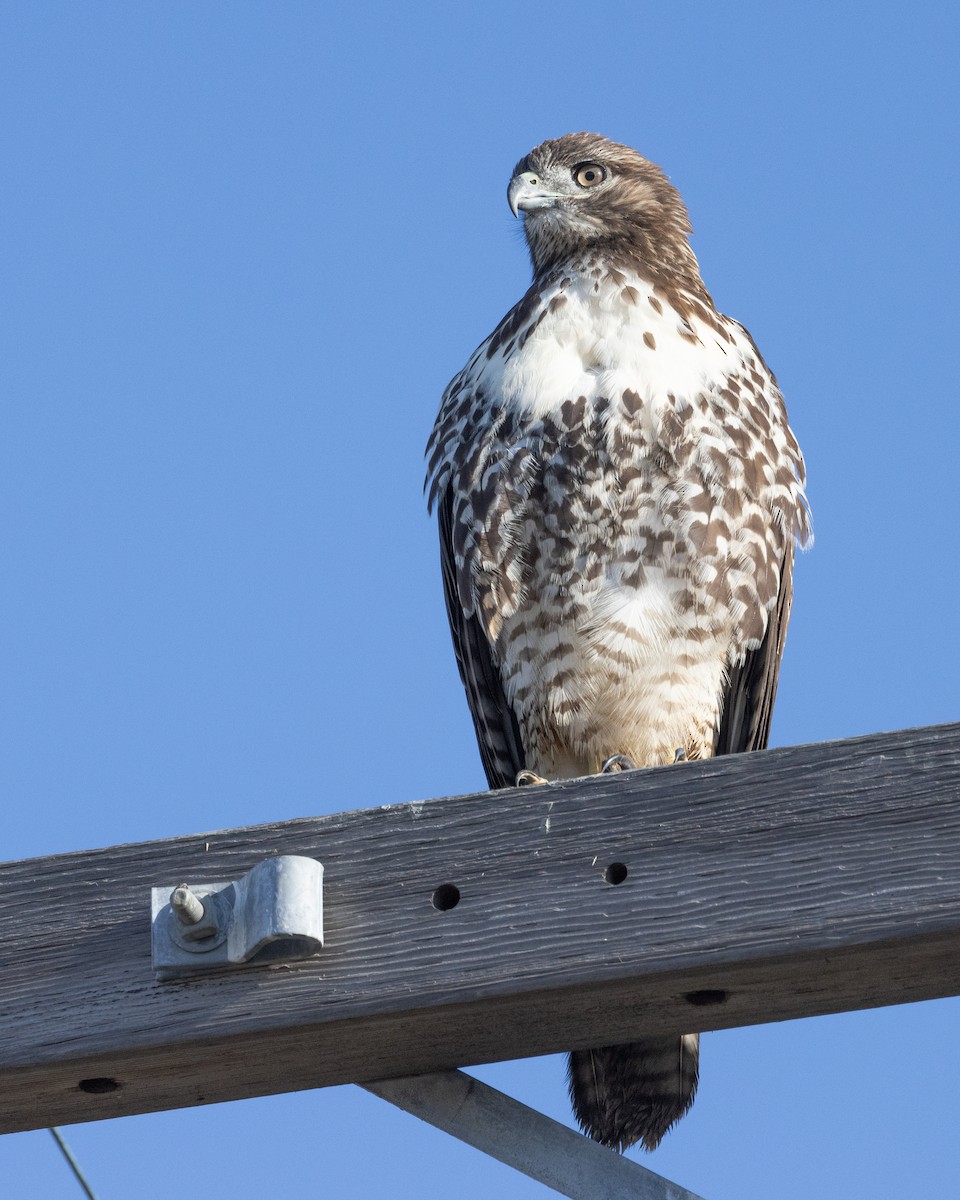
(619, 497)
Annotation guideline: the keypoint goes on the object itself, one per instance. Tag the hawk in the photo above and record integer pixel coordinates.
(619, 498)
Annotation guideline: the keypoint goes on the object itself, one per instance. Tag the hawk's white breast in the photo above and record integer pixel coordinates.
(596, 342)
(624, 469)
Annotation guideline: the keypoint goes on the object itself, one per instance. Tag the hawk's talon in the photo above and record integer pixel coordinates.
(618, 762)
(529, 779)
(680, 755)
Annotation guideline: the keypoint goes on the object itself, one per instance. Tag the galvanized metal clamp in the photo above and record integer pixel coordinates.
(272, 914)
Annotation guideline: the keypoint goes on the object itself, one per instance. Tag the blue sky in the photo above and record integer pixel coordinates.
(244, 246)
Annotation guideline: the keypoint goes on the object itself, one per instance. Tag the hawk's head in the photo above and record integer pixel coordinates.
(582, 191)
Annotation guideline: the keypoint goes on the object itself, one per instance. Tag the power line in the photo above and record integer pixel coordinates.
(73, 1164)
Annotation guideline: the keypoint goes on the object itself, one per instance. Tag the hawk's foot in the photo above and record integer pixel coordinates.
(619, 762)
(529, 779)
(680, 755)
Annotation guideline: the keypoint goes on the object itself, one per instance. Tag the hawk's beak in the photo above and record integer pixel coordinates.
(526, 192)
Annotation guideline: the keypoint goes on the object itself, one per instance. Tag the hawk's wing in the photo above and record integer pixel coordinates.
(752, 688)
(498, 733)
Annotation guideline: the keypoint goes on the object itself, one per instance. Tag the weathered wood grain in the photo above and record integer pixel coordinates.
(797, 881)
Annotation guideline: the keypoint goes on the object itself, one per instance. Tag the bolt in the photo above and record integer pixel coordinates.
(186, 907)
(196, 919)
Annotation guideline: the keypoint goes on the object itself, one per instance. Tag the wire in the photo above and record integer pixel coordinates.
(74, 1165)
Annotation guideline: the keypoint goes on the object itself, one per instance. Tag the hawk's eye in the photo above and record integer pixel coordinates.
(588, 175)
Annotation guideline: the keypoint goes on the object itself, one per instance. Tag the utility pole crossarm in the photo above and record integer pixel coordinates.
(750, 888)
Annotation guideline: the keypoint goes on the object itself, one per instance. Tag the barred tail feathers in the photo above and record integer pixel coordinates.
(634, 1092)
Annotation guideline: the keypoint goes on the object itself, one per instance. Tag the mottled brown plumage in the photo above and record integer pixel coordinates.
(619, 496)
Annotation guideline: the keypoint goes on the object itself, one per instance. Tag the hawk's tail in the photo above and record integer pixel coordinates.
(635, 1092)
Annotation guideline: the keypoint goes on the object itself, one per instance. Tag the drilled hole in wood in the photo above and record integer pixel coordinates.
(706, 997)
(446, 896)
(98, 1086)
(615, 873)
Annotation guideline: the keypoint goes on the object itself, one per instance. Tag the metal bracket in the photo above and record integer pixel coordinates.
(527, 1140)
(272, 914)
